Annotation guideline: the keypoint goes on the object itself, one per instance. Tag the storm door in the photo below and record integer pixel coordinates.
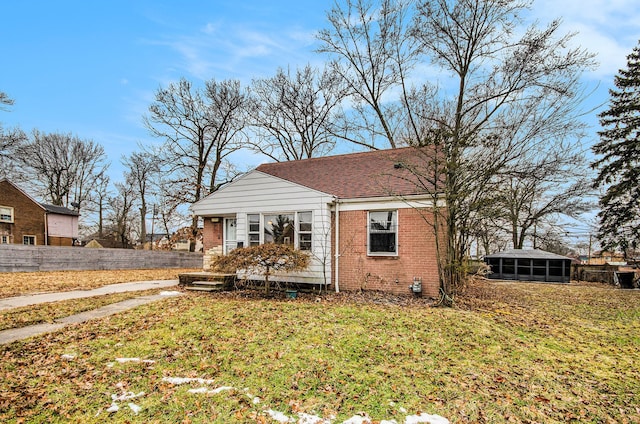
(230, 239)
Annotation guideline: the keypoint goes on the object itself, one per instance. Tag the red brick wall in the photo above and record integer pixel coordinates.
(212, 233)
(29, 217)
(416, 256)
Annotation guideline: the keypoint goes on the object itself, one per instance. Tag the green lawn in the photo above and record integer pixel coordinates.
(507, 353)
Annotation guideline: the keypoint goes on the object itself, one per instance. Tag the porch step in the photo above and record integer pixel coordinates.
(207, 286)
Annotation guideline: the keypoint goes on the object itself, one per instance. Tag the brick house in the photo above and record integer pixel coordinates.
(23, 220)
(365, 218)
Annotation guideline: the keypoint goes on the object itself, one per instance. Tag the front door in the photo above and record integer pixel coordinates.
(230, 240)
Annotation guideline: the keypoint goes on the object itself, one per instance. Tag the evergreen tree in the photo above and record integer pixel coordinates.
(619, 166)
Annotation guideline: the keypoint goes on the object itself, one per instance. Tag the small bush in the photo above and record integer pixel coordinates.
(263, 260)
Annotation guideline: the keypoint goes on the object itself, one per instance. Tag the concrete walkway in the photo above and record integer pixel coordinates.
(14, 334)
(34, 299)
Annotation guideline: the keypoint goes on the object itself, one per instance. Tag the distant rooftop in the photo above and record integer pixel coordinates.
(60, 210)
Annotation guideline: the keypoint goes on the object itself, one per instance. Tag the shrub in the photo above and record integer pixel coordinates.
(264, 260)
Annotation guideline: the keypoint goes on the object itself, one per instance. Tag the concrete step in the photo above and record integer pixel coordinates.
(203, 288)
(207, 286)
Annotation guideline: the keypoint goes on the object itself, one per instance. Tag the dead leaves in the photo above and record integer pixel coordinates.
(21, 283)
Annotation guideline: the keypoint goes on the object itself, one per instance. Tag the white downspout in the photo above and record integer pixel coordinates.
(46, 228)
(337, 254)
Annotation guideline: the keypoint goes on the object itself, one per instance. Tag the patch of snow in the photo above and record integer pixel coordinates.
(220, 389)
(426, 418)
(388, 422)
(183, 380)
(124, 360)
(199, 390)
(68, 357)
(402, 410)
(357, 419)
(170, 293)
(113, 408)
(279, 416)
(126, 396)
(210, 392)
(135, 408)
(311, 419)
(256, 400)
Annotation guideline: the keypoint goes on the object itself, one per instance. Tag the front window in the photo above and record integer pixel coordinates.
(279, 229)
(292, 228)
(29, 240)
(383, 232)
(6, 214)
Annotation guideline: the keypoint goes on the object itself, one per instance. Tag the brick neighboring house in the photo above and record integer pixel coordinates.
(364, 217)
(23, 220)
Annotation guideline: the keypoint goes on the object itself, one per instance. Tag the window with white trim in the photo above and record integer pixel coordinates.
(279, 229)
(4, 239)
(254, 229)
(292, 228)
(29, 240)
(6, 214)
(304, 230)
(383, 233)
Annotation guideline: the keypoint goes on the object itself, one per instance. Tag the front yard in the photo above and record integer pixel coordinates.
(508, 353)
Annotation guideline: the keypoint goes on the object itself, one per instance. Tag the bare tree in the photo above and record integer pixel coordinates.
(502, 83)
(121, 215)
(540, 189)
(295, 114)
(98, 202)
(142, 168)
(500, 97)
(10, 140)
(373, 56)
(64, 166)
(200, 129)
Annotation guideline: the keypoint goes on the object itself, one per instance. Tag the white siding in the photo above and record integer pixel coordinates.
(260, 193)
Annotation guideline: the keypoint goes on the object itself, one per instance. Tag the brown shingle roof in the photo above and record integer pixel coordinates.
(356, 175)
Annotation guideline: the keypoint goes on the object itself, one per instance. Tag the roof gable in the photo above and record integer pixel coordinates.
(377, 173)
(27, 195)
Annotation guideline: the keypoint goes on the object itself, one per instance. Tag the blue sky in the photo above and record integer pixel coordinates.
(91, 67)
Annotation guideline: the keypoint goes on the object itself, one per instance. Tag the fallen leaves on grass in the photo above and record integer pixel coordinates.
(49, 312)
(21, 283)
(511, 355)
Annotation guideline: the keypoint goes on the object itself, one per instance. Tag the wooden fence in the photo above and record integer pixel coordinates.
(19, 258)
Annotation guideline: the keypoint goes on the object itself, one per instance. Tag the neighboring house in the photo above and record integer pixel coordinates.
(605, 257)
(25, 221)
(529, 265)
(364, 218)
